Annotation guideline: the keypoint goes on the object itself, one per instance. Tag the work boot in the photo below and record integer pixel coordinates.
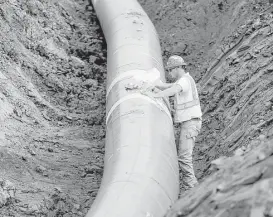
(185, 189)
(189, 181)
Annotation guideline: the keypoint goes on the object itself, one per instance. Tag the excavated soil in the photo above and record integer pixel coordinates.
(52, 104)
(52, 107)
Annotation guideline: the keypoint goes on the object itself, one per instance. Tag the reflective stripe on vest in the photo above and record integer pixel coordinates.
(195, 100)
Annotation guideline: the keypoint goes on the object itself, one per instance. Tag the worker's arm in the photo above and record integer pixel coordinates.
(174, 89)
(162, 86)
(181, 85)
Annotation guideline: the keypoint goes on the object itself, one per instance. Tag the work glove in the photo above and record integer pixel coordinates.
(147, 93)
(147, 86)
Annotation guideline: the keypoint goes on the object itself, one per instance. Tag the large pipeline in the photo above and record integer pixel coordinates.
(140, 176)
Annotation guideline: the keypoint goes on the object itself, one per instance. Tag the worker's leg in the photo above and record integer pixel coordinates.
(189, 132)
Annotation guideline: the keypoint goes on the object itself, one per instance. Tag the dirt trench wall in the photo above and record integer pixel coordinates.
(52, 107)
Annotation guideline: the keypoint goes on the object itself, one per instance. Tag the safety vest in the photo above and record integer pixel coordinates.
(187, 104)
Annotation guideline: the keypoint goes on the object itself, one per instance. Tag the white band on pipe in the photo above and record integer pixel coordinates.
(158, 104)
(150, 76)
(123, 76)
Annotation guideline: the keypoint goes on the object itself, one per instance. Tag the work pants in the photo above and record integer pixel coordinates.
(188, 134)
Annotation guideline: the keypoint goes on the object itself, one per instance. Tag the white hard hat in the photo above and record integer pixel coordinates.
(175, 61)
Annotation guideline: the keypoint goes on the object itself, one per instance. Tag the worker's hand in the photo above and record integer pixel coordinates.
(147, 87)
(157, 96)
(148, 93)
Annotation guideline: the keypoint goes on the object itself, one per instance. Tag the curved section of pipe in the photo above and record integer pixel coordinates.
(140, 167)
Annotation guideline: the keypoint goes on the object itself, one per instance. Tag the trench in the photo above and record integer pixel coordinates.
(53, 136)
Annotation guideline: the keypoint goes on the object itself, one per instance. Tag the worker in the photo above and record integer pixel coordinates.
(187, 112)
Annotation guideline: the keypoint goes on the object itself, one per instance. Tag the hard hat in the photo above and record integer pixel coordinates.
(175, 61)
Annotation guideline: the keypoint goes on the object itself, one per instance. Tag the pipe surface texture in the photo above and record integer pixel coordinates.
(140, 176)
